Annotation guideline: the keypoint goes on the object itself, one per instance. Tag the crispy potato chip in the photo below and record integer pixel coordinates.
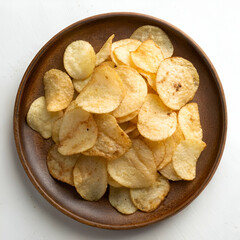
(148, 199)
(112, 142)
(185, 158)
(79, 59)
(147, 56)
(120, 199)
(189, 121)
(61, 167)
(113, 183)
(177, 82)
(59, 90)
(105, 51)
(157, 35)
(55, 129)
(131, 127)
(80, 84)
(134, 134)
(150, 77)
(134, 120)
(135, 91)
(122, 53)
(104, 92)
(158, 149)
(136, 168)
(108, 63)
(155, 121)
(169, 172)
(90, 177)
(78, 132)
(127, 118)
(178, 135)
(39, 119)
(71, 106)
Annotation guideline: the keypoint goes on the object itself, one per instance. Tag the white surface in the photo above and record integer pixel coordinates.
(25, 26)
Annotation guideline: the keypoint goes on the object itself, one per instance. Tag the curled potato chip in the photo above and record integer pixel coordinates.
(120, 199)
(157, 35)
(189, 121)
(59, 90)
(150, 77)
(136, 168)
(177, 82)
(104, 92)
(105, 51)
(79, 59)
(128, 117)
(148, 199)
(108, 63)
(155, 121)
(122, 53)
(169, 172)
(90, 177)
(112, 141)
(147, 57)
(185, 158)
(55, 129)
(135, 91)
(78, 132)
(61, 167)
(131, 127)
(39, 119)
(113, 183)
(80, 84)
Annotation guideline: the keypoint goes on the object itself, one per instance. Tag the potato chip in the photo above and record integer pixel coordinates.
(148, 199)
(136, 168)
(71, 106)
(55, 129)
(128, 117)
(113, 183)
(80, 84)
(185, 158)
(169, 172)
(150, 77)
(131, 127)
(189, 121)
(39, 119)
(79, 59)
(135, 91)
(104, 92)
(134, 134)
(59, 90)
(108, 63)
(147, 56)
(78, 132)
(120, 199)
(122, 53)
(157, 35)
(155, 121)
(124, 125)
(177, 82)
(158, 149)
(105, 51)
(134, 120)
(119, 44)
(90, 177)
(61, 167)
(112, 141)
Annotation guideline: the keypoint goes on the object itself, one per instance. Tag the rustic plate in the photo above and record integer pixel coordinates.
(32, 148)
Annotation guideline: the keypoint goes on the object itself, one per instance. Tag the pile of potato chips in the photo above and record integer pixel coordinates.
(130, 126)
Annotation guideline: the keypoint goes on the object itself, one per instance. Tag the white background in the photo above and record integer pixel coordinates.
(25, 26)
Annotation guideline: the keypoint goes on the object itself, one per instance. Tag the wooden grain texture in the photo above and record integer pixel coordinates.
(32, 148)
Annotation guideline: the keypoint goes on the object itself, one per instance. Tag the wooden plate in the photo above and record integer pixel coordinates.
(32, 148)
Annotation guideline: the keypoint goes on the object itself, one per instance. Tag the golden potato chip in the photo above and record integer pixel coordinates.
(131, 127)
(147, 56)
(177, 82)
(189, 121)
(123, 125)
(158, 149)
(79, 59)
(112, 141)
(39, 119)
(108, 63)
(127, 118)
(59, 90)
(134, 120)
(136, 168)
(120, 199)
(71, 106)
(150, 77)
(80, 84)
(169, 172)
(78, 132)
(185, 158)
(113, 183)
(178, 135)
(135, 91)
(105, 51)
(90, 177)
(119, 44)
(134, 134)
(155, 121)
(148, 199)
(55, 129)
(157, 35)
(61, 167)
(122, 53)
(104, 92)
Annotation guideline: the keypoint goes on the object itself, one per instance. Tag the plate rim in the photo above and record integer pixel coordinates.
(18, 139)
